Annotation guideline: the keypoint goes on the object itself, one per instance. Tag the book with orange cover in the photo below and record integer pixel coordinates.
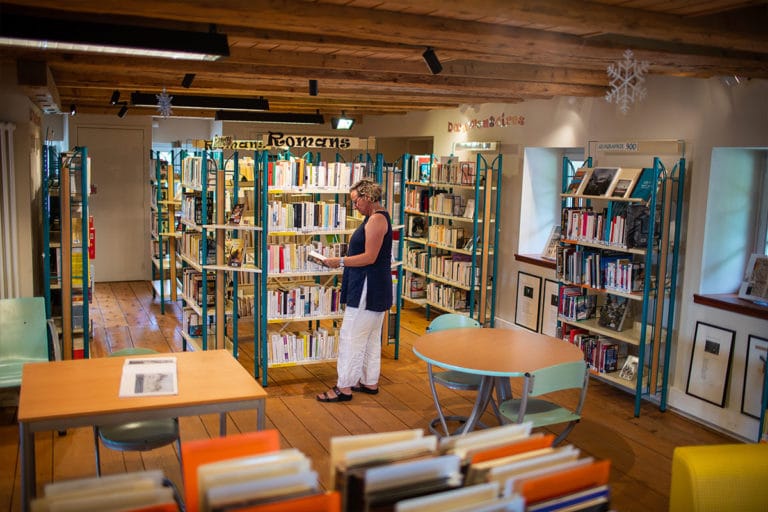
(203, 451)
(564, 482)
(524, 445)
(325, 502)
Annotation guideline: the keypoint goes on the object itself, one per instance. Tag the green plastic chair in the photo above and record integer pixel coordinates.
(24, 334)
(451, 379)
(137, 436)
(541, 412)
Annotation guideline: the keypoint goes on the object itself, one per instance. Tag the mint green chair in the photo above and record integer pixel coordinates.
(541, 412)
(451, 379)
(137, 436)
(24, 334)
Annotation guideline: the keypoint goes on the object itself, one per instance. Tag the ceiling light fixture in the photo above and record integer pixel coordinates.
(313, 87)
(186, 82)
(342, 123)
(115, 97)
(140, 99)
(269, 117)
(123, 110)
(42, 32)
(430, 57)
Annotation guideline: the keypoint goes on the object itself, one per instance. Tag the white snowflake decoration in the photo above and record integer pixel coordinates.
(626, 79)
(164, 103)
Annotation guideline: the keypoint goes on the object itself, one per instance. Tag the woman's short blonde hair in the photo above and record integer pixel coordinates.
(368, 188)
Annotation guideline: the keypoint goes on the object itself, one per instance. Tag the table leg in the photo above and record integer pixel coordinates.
(223, 424)
(484, 393)
(260, 414)
(28, 470)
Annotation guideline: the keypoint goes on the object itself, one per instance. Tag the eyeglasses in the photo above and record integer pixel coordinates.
(356, 200)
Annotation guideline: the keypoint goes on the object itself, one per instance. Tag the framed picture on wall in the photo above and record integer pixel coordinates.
(710, 363)
(549, 307)
(754, 376)
(528, 298)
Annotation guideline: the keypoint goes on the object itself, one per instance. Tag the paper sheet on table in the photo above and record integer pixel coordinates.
(150, 376)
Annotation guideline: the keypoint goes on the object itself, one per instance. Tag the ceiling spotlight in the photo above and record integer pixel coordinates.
(72, 109)
(342, 123)
(432, 61)
(186, 82)
(115, 97)
(313, 87)
(123, 110)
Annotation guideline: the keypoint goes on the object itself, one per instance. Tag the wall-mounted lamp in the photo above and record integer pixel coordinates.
(123, 110)
(115, 97)
(186, 82)
(430, 57)
(313, 87)
(342, 123)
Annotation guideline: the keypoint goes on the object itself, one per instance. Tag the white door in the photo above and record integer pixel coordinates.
(117, 172)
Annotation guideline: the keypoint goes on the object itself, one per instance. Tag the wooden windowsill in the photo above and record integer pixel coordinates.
(732, 302)
(536, 259)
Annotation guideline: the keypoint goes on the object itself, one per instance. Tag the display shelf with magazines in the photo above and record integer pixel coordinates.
(451, 206)
(68, 247)
(617, 266)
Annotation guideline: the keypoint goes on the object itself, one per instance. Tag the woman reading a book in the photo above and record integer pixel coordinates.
(366, 289)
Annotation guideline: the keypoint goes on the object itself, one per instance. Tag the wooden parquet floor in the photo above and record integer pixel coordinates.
(125, 314)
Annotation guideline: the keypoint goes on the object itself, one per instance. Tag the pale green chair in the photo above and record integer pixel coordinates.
(451, 379)
(541, 412)
(137, 436)
(24, 333)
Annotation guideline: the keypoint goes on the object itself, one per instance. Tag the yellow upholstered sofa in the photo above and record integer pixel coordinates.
(723, 477)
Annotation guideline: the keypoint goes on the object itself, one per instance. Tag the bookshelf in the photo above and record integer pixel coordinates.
(165, 228)
(450, 233)
(69, 247)
(617, 268)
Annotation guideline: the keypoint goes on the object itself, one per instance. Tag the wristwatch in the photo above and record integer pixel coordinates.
(341, 262)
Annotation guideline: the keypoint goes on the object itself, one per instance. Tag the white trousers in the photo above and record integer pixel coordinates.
(359, 346)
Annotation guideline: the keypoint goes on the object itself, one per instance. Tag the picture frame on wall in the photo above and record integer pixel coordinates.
(754, 376)
(528, 300)
(710, 366)
(549, 301)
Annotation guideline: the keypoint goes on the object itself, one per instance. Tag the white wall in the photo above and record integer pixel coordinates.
(704, 113)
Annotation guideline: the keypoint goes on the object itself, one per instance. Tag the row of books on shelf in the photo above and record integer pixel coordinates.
(417, 200)
(615, 311)
(294, 347)
(192, 209)
(604, 270)
(448, 204)
(447, 236)
(191, 246)
(306, 216)
(294, 257)
(602, 354)
(192, 284)
(298, 174)
(447, 296)
(304, 301)
(192, 171)
(454, 267)
(622, 226)
(612, 182)
(443, 170)
(498, 469)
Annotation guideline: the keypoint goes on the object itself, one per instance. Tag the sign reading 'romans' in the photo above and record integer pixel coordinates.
(280, 140)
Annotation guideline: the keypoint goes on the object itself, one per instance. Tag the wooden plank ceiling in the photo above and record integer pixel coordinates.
(366, 54)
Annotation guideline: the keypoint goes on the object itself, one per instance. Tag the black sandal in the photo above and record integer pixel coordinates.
(361, 388)
(340, 397)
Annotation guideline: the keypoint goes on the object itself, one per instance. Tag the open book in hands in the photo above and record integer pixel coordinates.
(317, 258)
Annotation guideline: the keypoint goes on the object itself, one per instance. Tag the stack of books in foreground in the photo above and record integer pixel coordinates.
(499, 469)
